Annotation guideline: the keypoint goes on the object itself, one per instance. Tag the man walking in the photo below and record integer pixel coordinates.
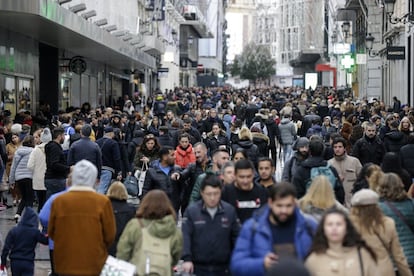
(369, 148)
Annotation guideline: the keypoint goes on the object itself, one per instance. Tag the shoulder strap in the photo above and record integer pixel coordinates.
(398, 213)
(361, 263)
(383, 243)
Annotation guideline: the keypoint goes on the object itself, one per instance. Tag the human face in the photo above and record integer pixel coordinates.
(282, 208)
(238, 156)
(15, 139)
(326, 122)
(150, 144)
(266, 170)
(228, 175)
(186, 127)
(334, 228)
(213, 113)
(170, 116)
(184, 142)
(211, 196)
(339, 149)
(170, 158)
(216, 130)
(220, 159)
(304, 150)
(244, 179)
(405, 125)
(370, 132)
(36, 138)
(155, 121)
(200, 154)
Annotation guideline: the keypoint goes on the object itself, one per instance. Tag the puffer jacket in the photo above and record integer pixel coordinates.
(37, 164)
(405, 235)
(183, 157)
(130, 242)
(249, 147)
(19, 168)
(123, 213)
(213, 142)
(394, 141)
(407, 158)
(262, 142)
(287, 131)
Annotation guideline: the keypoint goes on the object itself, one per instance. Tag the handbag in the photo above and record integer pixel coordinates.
(140, 175)
(131, 184)
(117, 267)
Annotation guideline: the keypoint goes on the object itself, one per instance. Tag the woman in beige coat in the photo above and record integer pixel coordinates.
(379, 232)
(339, 250)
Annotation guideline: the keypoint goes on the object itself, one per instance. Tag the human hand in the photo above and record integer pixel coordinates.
(188, 267)
(270, 260)
(145, 159)
(175, 176)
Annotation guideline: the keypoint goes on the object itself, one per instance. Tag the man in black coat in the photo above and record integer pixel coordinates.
(369, 148)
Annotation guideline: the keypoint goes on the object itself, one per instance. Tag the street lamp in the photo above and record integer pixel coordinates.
(389, 10)
(369, 44)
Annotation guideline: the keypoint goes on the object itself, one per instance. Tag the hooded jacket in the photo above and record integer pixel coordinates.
(183, 157)
(287, 131)
(37, 164)
(394, 141)
(19, 168)
(130, 242)
(262, 142)
(249, 147)
(213, 142)
(22, 239)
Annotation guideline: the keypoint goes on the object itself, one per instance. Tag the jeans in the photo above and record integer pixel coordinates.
(287, 152)
(41, 199)
(26, 189)
(22, 267)
(105, 181)
(54, 186)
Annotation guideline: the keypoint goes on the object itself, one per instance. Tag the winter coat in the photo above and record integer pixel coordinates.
(348, 168)
(130, 242)
(369, 150)
(394, 141)
(249, 147)
(123, 213)
(302, 177)
(21, 241)
(213, 242)
(82, 232)
(37, 164)
(273, 132)
(183, 157)
(195, 136)
(327, 131)
(407, 158)
(213, 143)
(314, 130)
(152, 155)
(208, 124)
(56, 167)
(166, 140)
(85, 149)
(129, 130)
(262, 142)
(155, 178)
(342, 263)
(111, 154)
(287, 131)
(256, 240)
(388, 235)
(291, 166)
(405, 235)
(19, 168)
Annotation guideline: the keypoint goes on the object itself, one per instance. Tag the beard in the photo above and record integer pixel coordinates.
(288, 220)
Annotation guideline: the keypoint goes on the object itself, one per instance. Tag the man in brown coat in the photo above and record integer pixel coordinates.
(82, 225)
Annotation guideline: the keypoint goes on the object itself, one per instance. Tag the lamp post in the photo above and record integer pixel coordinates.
(369, 44)
(346, 27)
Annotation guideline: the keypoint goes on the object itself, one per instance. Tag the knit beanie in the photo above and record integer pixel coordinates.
(46, 136)
(84, 174)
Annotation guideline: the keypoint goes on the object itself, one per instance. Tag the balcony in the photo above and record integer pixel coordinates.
(153, 45)
(195, 18)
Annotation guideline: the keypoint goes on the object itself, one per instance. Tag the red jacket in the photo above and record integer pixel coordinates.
(184, 157)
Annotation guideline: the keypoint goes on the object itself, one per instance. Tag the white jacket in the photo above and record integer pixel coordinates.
(37, 164)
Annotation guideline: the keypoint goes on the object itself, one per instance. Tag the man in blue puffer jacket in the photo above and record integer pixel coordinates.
(277, 230)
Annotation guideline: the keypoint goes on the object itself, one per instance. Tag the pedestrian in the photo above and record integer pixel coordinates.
(152, 241)
(147, 152)
(20, 244)
(266, 172)
(82, 232)
(338, 249)
(277, 230)
(3, 162)
(379, 232)
(287, 135)
(123, 211)
(245, 142)
(184, 154)
(21, 176)
(301, 152)
(369, 148)
(210, 229)
(11, 148)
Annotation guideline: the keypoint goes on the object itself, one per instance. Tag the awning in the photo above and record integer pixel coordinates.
(49, 23)
(305, 58)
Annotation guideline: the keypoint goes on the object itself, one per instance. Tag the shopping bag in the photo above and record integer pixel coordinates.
(117, 267)
(140, 175)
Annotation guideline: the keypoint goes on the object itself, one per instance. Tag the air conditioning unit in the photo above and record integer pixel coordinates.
(190, 12)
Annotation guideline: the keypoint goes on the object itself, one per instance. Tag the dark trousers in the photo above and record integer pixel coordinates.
(22, 267)
(26, 190)
(210, 271)
(273, 154)
(41, 199)
(54, 186)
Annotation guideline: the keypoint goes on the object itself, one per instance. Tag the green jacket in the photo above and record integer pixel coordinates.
(196, 193)
(131, 239)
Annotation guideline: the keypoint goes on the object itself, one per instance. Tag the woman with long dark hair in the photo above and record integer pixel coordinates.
(155, 216)
(338, 249)
(147, 152)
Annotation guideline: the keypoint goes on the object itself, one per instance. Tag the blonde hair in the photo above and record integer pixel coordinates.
(405, 119)
(117, 191)
(245, 134)
(391, 188)
(374, 174)
(319, 195)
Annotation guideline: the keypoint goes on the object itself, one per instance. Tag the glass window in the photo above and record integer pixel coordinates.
(65, 88)
(9, 95)
(25, 94)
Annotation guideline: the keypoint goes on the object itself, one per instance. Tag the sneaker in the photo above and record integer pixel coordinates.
(17, 218)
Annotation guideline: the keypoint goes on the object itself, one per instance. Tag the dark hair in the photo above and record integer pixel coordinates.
(149, 137)
(316, 147)
(281, 190)
(352, 237)
(218, 150)
(155, 205)
(243, 165)
(187, 121)
(28, 141)
(340, 140)
(210, 180)
(391, 163)
(334, 135)
(242, 151)
(184, 135)
(265, 159)
(165, 151)
(56, 132)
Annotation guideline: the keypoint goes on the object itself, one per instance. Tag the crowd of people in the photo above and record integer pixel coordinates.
(204, 165)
